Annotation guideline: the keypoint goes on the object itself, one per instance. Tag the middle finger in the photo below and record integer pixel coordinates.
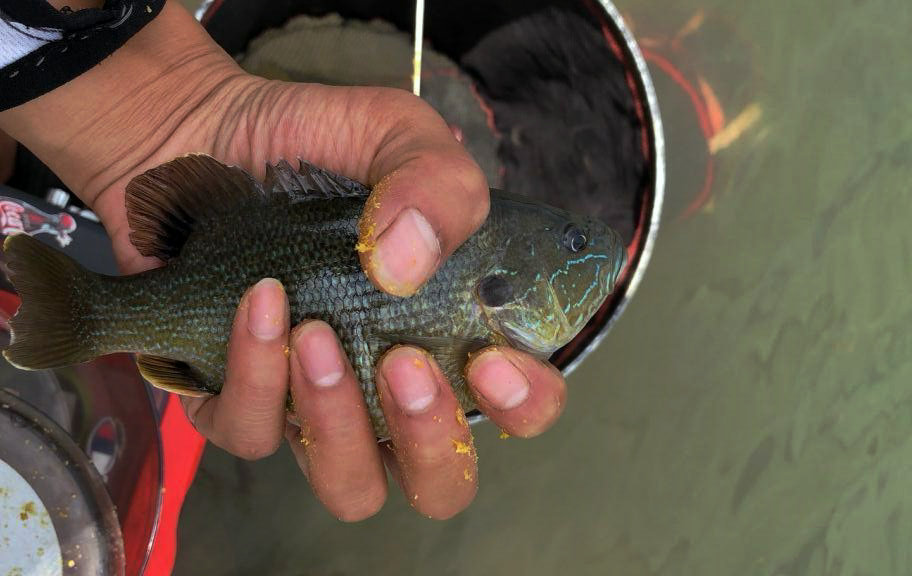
(336, 448)
(429, 433)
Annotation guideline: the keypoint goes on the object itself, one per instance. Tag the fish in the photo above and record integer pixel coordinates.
(530, 277)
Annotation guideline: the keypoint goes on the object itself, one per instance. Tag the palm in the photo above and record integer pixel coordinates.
(363, 133)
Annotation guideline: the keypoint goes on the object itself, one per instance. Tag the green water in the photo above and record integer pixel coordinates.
(751, 413)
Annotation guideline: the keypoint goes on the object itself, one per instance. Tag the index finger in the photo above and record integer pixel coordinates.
(248, 417)
(431, 197)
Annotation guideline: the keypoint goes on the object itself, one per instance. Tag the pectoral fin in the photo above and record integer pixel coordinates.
(451, 354)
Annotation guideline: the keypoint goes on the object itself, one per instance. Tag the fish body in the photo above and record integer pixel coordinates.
(530, 277)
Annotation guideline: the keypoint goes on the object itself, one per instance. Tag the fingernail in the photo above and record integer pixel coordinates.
(406, 254)
(266, 310)
(498, 380)
(319, 354)
(410, 379)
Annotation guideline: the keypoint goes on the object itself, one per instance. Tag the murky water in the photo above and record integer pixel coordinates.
(756, 416)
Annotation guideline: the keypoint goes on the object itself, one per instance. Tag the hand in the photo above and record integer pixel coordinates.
(188, 96)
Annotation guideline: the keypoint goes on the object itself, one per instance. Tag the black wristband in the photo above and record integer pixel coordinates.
(86, 37)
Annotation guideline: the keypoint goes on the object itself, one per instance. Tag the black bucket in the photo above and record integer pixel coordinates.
(610, 162)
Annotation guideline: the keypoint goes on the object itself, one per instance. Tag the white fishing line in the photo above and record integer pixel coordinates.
(416, 55)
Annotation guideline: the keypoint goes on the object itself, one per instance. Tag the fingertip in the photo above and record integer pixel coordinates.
(411, 379)
(405, 255)
(267, 310)
(365, 504)
(501, 383)
(318, 352)
(522, 394)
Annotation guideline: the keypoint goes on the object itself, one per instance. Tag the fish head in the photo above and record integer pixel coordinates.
(552, 273)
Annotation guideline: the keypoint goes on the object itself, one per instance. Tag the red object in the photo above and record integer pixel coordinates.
(706, 127)
(182, 448)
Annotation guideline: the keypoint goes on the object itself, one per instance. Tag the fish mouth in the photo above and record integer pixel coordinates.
(529, 343)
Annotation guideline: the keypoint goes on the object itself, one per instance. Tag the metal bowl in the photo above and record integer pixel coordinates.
(64, 520)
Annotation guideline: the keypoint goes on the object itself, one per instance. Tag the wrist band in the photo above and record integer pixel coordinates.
(42, 48)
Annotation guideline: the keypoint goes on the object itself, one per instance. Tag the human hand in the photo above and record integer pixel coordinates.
(429, 196)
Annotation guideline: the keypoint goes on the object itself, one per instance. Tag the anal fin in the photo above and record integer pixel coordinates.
(170, 375)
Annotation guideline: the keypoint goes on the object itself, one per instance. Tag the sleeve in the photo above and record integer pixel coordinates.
(42, 48)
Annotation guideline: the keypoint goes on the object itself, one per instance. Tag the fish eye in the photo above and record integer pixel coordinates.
(574, 238)
(494, 291)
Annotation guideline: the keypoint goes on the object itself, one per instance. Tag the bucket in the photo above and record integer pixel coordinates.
(604, 75)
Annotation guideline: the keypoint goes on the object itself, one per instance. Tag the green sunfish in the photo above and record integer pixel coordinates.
(531, 277)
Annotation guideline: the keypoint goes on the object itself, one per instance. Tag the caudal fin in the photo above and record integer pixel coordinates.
(47, 331)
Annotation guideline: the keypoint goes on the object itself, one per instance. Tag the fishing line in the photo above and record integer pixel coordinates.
(416, 55)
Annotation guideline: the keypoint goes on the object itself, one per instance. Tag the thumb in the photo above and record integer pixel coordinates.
(431, 197)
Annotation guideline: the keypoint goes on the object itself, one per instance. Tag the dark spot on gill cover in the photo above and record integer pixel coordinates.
(494, 291)
(756, 465)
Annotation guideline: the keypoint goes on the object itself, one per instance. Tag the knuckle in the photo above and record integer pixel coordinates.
(475, 185)
(401, 103)
(430, 455)
(251, 448)
(475, 181)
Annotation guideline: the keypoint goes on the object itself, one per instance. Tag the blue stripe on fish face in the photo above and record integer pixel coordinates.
(565, 269)
(594, 283)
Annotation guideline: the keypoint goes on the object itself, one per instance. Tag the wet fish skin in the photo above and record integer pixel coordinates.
(182, 313)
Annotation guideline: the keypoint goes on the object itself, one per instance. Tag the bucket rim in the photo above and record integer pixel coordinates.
(653, 118)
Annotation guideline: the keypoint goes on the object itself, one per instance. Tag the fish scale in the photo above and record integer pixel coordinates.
(221, 232)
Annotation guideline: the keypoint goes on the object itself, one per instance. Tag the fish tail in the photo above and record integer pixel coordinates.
(48, 329)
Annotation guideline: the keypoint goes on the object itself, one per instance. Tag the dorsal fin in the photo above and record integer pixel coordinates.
(165, 202)
(309, 182)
